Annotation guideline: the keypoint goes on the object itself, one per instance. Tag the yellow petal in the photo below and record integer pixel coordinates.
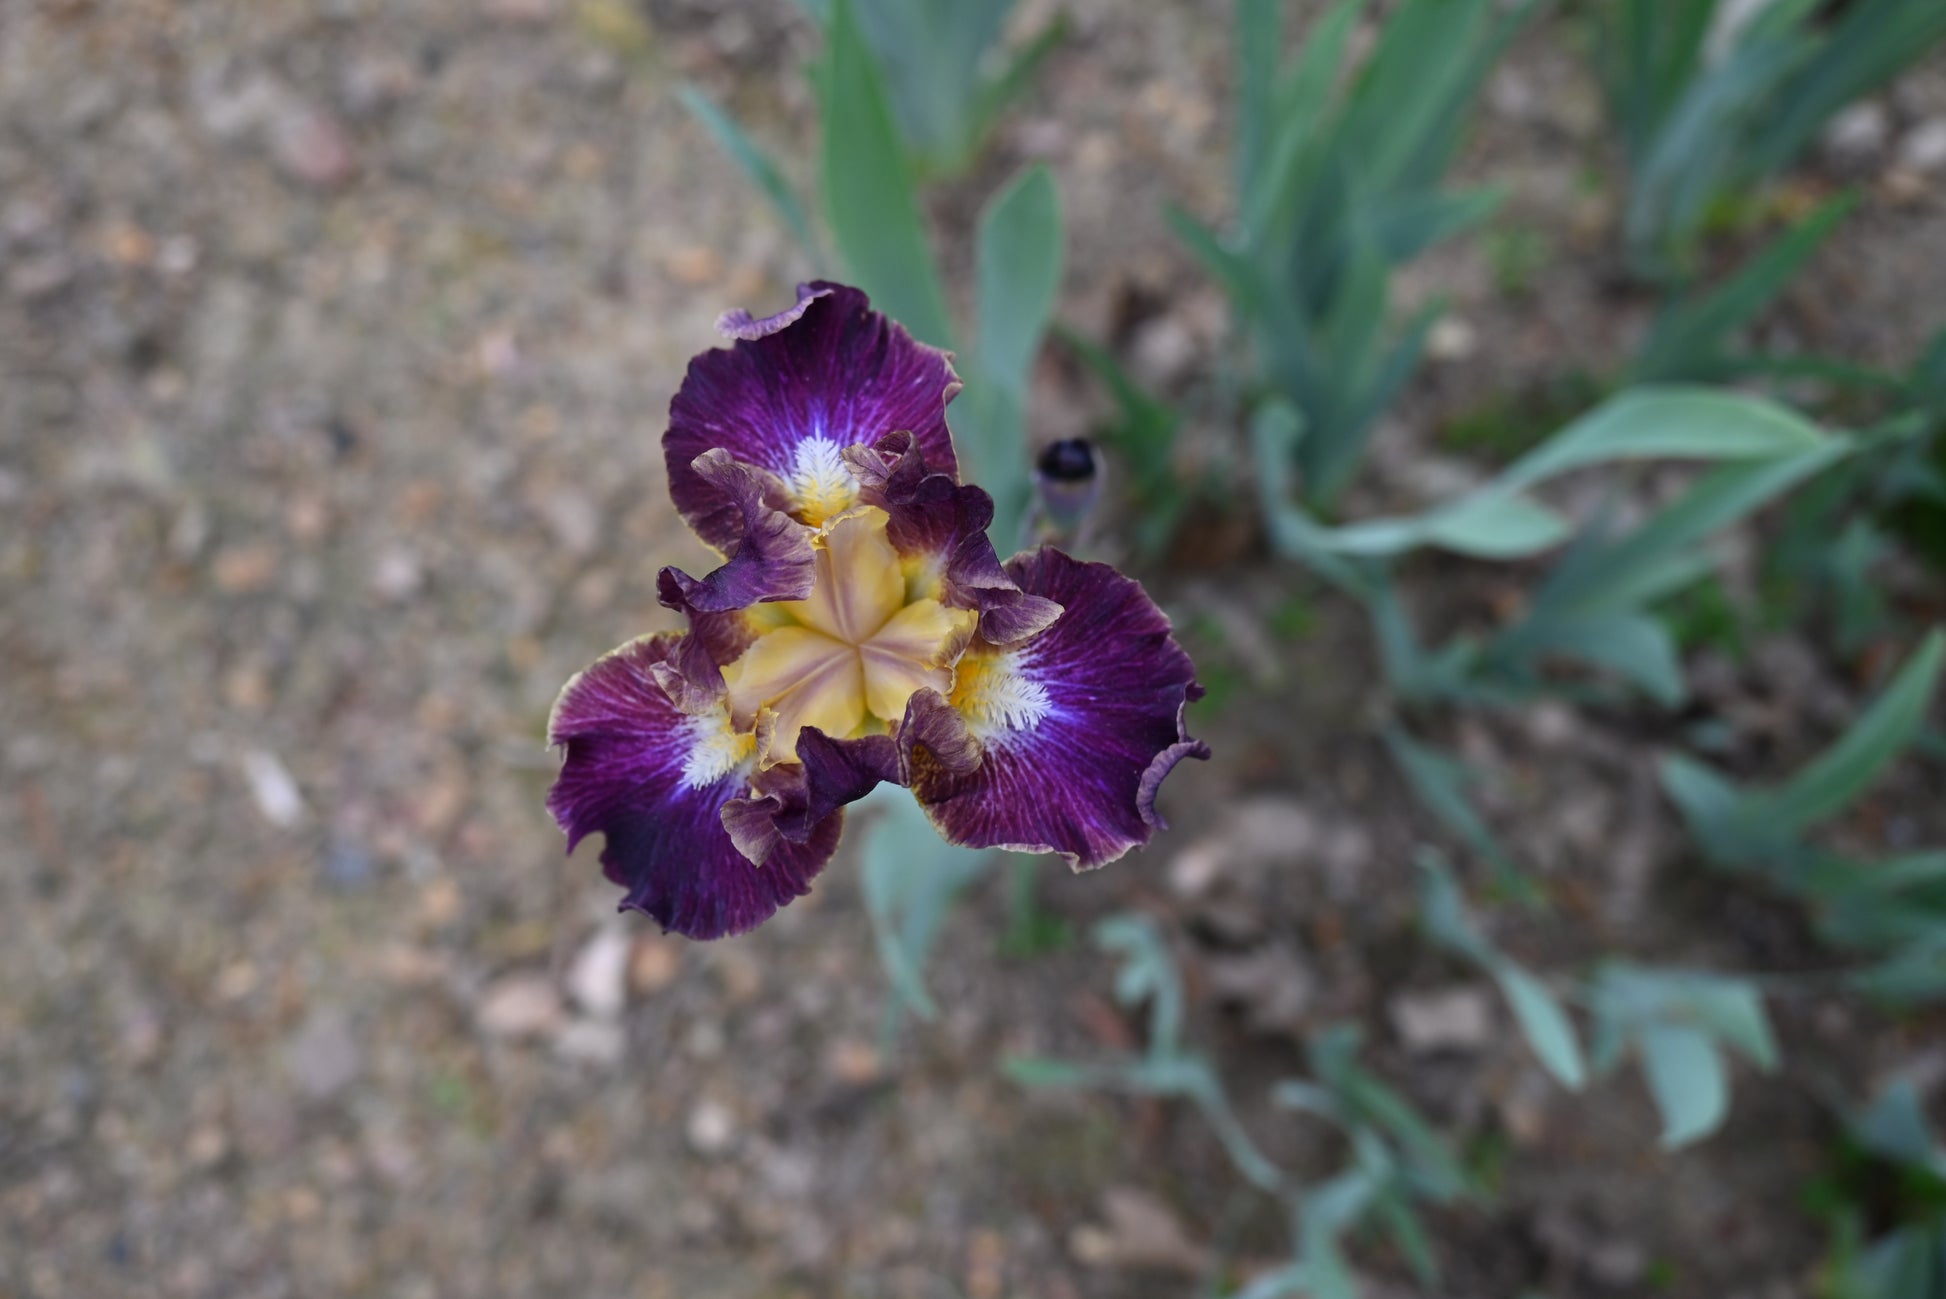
(914, 650)
(806, 678)
(858, 583)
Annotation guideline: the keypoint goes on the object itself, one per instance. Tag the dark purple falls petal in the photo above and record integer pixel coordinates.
(1075, 728)
(833, 369)
(632, 773)
(794, 800)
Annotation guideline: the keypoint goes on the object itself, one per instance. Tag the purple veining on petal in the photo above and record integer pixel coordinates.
(740, 324)
(793, 800)
(771, 559)
(930, 514)
(838, 371)
(632, 772)
(1077, 727)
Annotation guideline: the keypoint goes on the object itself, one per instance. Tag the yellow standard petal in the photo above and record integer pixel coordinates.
(914, 650)
(857, 584)
(806, 678)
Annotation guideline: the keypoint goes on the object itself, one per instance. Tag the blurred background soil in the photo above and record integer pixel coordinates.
(335, 344)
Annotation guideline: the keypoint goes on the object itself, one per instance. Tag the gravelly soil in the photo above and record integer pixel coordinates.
(334, 344)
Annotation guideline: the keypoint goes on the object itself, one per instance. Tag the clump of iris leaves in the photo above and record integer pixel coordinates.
(1343, 138)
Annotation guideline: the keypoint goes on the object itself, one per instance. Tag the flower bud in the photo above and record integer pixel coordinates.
(1067, 486)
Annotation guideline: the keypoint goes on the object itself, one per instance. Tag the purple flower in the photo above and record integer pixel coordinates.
(861, 630)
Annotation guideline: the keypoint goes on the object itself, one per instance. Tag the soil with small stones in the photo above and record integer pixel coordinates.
(335, 341)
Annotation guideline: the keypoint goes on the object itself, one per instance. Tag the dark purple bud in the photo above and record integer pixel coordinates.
(1067, 481)
(1071, 460)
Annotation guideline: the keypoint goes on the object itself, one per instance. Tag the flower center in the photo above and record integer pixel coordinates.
(847, 657)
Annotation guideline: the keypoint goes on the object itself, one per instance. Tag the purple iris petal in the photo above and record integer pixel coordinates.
(934, 743)
(688, 675)
(740, 324)
(1076, 727)
(771, 558)
(653, 780)
(836, 374)
(794, 800)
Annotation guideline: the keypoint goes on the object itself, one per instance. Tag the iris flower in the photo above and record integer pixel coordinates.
(861, 629)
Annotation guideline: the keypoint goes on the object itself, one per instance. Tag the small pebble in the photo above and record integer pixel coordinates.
(1443, 1019)
(347, 863)
(272, 788)
(397, 575)
(1859, 133)
(324, 1056)
(711, 1128)
(1452, 339)
(592, 1041)
(310, 147)
(246, 569)
(1924, 148)
(653, 964)
(598, 979)
(521, 1006)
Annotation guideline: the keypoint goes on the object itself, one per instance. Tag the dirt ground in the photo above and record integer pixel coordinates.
(335, 345)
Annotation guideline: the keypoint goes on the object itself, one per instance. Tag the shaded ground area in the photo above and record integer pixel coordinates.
(335, 341)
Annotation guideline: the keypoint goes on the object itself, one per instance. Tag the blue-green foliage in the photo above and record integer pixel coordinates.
(1017, 266)
(1894, 1167)
(1339, 180)
(1596, 606)
(945, 77)
(1703, 118)
(1675, 1023)
(1890, 495)
(1337, 183)
(1764, 829)
(1892, 912)
(1143, 434)
(1440, 783)
(1395, 1160)
(1502, 520)
(750, 158)
(870, 195)
(910, 877)
(1448, 922)
(1690, 339)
